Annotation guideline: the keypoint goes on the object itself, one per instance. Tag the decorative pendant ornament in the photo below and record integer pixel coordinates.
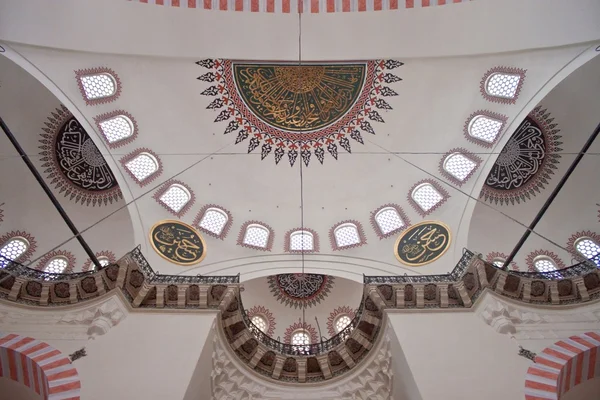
(299, 109)
(422, 243)
(178, 242)
(300, 290)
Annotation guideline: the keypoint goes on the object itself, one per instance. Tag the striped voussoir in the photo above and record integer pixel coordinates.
(38, 366)
(562, 366)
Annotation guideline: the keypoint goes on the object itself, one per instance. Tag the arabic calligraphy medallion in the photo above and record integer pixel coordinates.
(422, 243)
(74, 163)
(527, 161)
(178, 242)
(297, 290)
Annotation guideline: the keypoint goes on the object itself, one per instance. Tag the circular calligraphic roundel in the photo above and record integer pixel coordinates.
(178, 242)
(295, 290)
(422, 243)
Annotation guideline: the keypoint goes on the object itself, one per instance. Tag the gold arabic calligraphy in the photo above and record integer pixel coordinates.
(178, 242)
(423, 243)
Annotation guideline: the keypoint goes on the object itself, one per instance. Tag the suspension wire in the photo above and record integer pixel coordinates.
(302, 235)
(471, 197)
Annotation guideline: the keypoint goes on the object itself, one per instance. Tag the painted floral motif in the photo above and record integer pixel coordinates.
(527, 161)
(494, 255)
(300, 326)
(73, 163)
(299, 110)
(105, 254)
(267, 315)
(333, 316)
(300, 290)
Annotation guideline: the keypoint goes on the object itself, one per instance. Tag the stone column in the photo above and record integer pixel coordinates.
(323, 360)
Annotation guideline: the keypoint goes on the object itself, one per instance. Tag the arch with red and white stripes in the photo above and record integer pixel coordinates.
(38, 366)
(562, 366)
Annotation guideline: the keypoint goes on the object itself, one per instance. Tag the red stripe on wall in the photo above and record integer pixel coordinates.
(540, 386)
(223, 5)
(424, 3)
(20, 343)
(377, 5)
(36, 377)
(207, 4)
(592, 366)
(160, 2)
(175, 3)
(594, 335)
(557, 354)
(345, 5)
(45, 356)
(578, 369)
(543, 374)
(567, 383)
(270, 6)
(239, 5)
(254, 6)
(35, 348)
(144, 1)
(65, 387)
(441, 2)
(63, 374)
(7, 338)
(393, 4)
(548, 363)
(457, 1)
(410, 3)
(25, 369)
(12, 364)
(314, 6)
(286, 6)
(55, 364)
(330, 6)
(191, 3)
(362, 5)
(300, 6)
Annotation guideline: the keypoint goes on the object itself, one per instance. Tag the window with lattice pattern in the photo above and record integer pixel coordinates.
(459, 166)
(260, 323)
(346, 235)
(116, 128)
(342, 322)
(544, 264)
(104, 261)
(214, 220)
(99, 86)
(57, 265)
(12, 250)
(485, 128)
(175, 197)
(588, 248)
(142, 166)
(301, 338)
(502, 85)
(257, 236)
(499, 262)
(301, 240)
(426, 196)
(388, 220)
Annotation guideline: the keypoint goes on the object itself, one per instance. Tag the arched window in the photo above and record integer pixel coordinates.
(260, 322)
(142, 165)
(458, 166)
(544, 264)
(502, 85)
(341, 322)
(484, 127)
(347, 234)
(256, 235)
(299, 240)
(57, 265)
(426, 197)
(300, 338)
(12, 250)
(389, 221)
(117, 127)
(213, 220)
(176, 197)
(588, 248)
(98, 85)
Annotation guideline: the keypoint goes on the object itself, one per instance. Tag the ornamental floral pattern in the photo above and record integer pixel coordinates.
(267, 315)
(295, 327)
(342, 310)
(299, 110)
(300, 290)
(73, 163)
(527, 162)
(494, 255)
(87, 266)
(67, 255)
(531, 258)
(31, 244)
(580, 235)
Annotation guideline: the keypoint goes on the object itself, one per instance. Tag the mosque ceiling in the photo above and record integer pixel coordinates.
(286, 109)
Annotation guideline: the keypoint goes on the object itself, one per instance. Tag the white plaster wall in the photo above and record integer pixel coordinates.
(455, 356)
(117, 26)
(343, 293)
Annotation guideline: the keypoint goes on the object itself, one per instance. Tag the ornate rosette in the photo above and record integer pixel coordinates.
(299, 110)
(535, 254)
(298, 326)
(32, 244)
(105, 253)
(527, 161)
(495, 255)
(73, 163)
(580, 235)
(267, 315)
(300, 290)
(342, 310)
(58, 253)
